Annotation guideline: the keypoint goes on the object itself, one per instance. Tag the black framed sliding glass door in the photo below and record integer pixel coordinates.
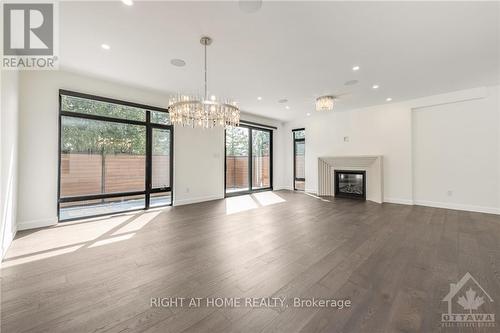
(299, 151)
(114, 156)
(248, 159)
(237, 159)
(261, 159)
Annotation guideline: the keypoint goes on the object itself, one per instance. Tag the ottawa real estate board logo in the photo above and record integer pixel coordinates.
(29, 35)
(469, 305)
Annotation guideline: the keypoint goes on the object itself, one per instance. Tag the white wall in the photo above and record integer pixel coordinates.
(387, 130)
(198, 165)
(455, 154)
(379, 130)
(198, 153)
(8, 157)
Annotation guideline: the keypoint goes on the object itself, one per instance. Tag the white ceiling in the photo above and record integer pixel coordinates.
(293, 50)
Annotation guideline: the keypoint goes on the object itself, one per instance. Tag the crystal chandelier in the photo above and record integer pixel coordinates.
(194, 111)
(325, 103)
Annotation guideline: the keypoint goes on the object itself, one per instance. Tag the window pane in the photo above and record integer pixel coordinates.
(158, 117)
(299, 134)
(237, 151)
(98, 108)
(160, 199)
(300, 185)
(101, 157)
(261, 162)
(87, 208)
(299, 159)
(161, 158)
(300, 148)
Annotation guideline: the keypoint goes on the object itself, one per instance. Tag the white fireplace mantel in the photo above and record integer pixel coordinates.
(372, 164)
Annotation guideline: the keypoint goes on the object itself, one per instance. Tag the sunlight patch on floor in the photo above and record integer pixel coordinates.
(112, 240)
(268, 198)
(26, 259)
(62, 235)
(68, 237)
(138, 223)
(240, 204)
(251, 201)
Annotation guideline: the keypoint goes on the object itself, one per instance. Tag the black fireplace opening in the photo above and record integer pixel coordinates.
(350, 184)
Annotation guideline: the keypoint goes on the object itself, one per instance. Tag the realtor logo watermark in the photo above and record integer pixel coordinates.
(466, 302)
(29, 35)
(249, 302)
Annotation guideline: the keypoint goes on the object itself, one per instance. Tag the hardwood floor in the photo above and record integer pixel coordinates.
(394, 262)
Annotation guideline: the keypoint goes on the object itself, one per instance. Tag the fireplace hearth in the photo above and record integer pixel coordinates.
(350, 184)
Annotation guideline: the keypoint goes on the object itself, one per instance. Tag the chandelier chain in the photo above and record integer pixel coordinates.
(206, 90)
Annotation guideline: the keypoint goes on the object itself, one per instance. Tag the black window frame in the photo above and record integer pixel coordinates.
(251, 126)
(148, 190)
(295, 140)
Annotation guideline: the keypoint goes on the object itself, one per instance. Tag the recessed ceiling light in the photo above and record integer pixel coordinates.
(355, 68)
(105, 46)
(287, 107)
(259, 98)
(308, 114)
(250, 6)
(388, 99)
(128, 2)
(178, 62)
(284, 100)
(375, 86)
(350, 82)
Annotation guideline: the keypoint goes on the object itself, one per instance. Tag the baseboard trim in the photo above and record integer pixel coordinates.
(197, 200)
(33, 224)
(283, 188)
(399, 201)
(311, 190)
(447, 205)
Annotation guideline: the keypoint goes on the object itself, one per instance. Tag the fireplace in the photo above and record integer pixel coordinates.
(350, 184)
